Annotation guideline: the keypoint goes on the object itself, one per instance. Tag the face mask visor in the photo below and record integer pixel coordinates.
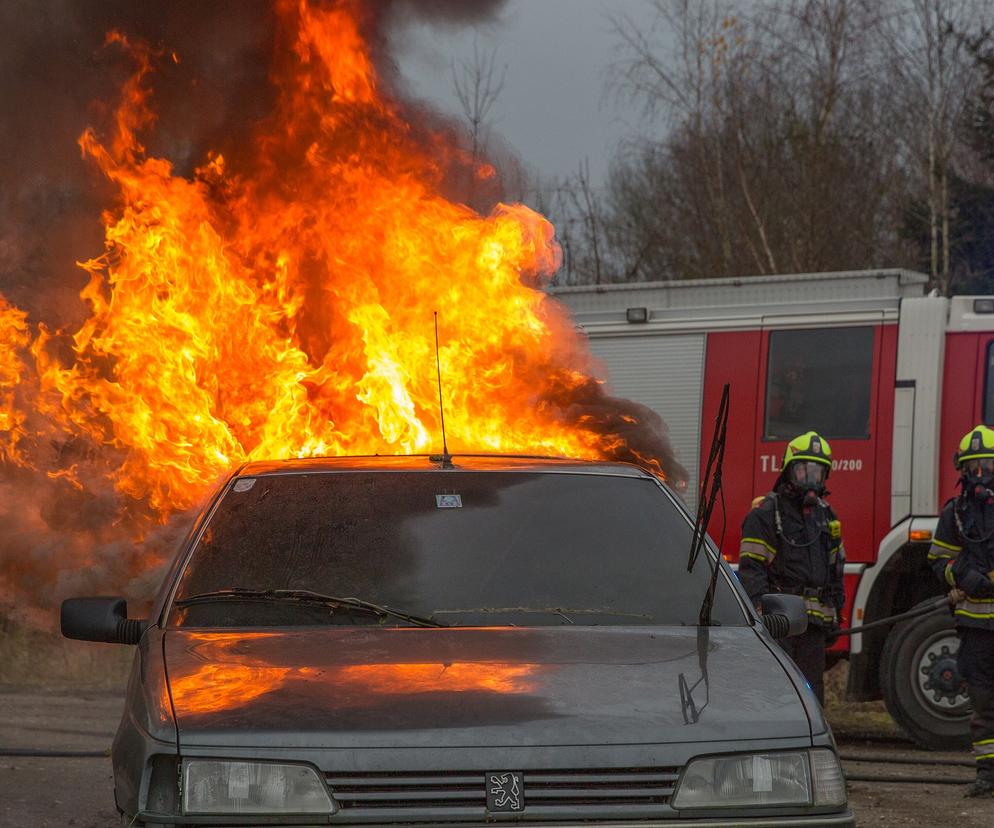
(979, 468)
(807, 474)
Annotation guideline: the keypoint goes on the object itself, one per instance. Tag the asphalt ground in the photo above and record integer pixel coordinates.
(37, 792)
(48, 792)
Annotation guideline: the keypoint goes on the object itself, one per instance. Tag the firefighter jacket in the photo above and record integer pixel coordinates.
(962, 555)
(800, 553)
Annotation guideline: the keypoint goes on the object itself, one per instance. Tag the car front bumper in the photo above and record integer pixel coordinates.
(836, 820)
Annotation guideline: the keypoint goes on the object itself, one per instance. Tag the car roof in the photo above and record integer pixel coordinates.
(436, 462)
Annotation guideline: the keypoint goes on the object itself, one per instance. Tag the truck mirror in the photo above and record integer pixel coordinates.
(784, 615)
(100, 619)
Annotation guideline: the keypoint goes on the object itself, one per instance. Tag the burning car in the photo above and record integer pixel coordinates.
(458, 640)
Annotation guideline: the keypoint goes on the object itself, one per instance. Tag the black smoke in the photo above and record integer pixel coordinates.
(57, 77)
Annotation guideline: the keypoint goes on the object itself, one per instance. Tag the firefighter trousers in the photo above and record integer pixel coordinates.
(975, 662)
(808, 652)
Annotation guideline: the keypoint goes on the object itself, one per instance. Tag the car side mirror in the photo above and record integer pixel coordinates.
(100, 619)
(784, 615)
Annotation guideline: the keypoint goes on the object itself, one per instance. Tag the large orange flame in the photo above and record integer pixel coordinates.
(288, 311)
(14, 338)
(282, 305)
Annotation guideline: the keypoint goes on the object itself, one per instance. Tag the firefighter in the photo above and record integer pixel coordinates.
(792, 543)
(962, 555)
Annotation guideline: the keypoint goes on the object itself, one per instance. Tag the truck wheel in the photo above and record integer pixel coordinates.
(921, 686)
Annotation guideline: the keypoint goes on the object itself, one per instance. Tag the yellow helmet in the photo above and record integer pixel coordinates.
(812, 446)
(977, 444)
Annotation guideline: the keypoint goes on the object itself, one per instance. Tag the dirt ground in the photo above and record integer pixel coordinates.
(865, 729)
(885, 805)
(920, 803)
(49, 792)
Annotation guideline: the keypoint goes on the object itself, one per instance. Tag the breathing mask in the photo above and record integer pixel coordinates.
(977, 477)
(807, 480)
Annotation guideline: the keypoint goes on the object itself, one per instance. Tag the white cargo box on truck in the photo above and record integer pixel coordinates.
(652, 336)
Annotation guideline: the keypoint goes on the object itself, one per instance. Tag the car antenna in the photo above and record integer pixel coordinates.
(446, 458)
(709, 492)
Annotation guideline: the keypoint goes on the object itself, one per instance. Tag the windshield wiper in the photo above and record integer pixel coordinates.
(560, 611)
(306, 596)
(711, 488)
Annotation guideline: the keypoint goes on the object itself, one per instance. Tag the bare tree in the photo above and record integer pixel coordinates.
(763, 147)
(932, 77)
(680, 88)
(786, 135)
(478, 84)
(584, 205)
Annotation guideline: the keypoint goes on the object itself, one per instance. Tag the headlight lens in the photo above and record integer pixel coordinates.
(216, 787)
(762, 779)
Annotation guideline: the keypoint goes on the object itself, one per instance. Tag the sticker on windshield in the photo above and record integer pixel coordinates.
(244, 484)
(449, 501)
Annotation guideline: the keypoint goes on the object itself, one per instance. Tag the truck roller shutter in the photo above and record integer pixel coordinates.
(665, 373)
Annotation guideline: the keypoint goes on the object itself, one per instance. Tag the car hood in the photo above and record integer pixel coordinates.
(475, 687)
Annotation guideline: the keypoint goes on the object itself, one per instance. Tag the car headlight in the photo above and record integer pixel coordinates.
(803, 777)
(222, 787)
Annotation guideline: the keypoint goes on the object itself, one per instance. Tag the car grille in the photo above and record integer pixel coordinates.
(455, 796)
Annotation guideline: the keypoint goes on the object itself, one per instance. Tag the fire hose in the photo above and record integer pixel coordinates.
(862, 758)
(778, 624)
(53, 753)
(937, 605)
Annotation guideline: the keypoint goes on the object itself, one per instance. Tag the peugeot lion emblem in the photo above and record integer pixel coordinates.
(505, 791)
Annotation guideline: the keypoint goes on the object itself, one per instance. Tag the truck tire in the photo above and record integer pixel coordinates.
(921, 686)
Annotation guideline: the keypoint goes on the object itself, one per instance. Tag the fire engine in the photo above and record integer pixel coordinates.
(891, 376)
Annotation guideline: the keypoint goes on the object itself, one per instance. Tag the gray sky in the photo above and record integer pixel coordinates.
(552, 109)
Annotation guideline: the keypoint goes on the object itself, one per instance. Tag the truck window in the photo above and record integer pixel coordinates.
(989, 386)
(819, 379)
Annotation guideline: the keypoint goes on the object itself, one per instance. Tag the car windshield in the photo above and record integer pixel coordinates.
(458, 548)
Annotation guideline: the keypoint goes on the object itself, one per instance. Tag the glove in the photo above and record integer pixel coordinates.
(832, 633)
(955, 596)
(971, 580)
